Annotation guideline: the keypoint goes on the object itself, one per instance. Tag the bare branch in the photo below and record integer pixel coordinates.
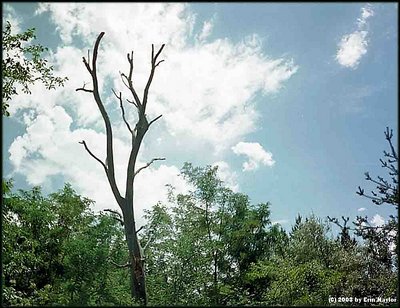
(132, 102)
(119, 265)
(152, 121)
(87, 65)
(138, 230)
(343, 227)
(129, 79)
(96, 94)
(94, 156)
(114, 212)
(389, 136)
(158, 53)
(360, 191)
(83, 88)
(383, 184)
(153, 68)
(148, 164)
(123, 80)
(119, 218)
(122, 109)
(158, 63)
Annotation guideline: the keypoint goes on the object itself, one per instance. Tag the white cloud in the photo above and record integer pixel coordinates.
(228, 176)
(255, 153)
(50, 147)
(366, 12)
(205, 91)
(377, 220)
(11, 16)
(205, 31)
(353, 46)
(361, 209)
(280, 221)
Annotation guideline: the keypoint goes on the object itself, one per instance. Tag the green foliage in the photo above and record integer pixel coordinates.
(376, 250)
(201, 247)
(208, 247)
(303, 274)
(23, 64)
(56, 251)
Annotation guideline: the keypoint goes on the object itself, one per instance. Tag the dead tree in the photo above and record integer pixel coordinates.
(136, 258)
(345, 239)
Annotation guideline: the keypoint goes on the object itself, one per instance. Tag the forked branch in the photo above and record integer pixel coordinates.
(154, 64)
(127, 80)
(96, 94)
(119, 97)
(119, 218)
(84, 89)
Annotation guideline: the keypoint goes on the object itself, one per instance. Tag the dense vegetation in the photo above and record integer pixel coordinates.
(208, 247)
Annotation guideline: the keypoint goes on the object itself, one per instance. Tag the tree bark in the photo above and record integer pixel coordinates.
(136, 261)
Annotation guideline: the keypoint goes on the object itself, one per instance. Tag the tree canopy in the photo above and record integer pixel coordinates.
(23, 64)
(211, 246)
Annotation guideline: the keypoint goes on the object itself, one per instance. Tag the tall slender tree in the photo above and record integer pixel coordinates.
(136, 257)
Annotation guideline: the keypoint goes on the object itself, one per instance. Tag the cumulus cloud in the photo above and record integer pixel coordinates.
(50, 147)
(205, 91)
(10, 15)
(205, 31)
(377, 220)
(353, 46)
(226, 174)
(255, 153)
(361, 209)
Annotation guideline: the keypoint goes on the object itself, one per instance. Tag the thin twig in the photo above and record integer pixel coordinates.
(83, 88)
(152, 121)
(122, 109)
(87, 65)
(129, 79)
(148, 164)
(94, 156)
(153, 68)
(119, 218)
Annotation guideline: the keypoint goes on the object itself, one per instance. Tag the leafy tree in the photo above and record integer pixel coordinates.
(382, 240)
(136, 257)
(304, 274)
(375, 253)
(23, 64)
(200, 248)
(56, 251)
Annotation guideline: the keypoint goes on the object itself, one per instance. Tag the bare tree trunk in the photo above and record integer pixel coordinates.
(136, 258)
(136, 261)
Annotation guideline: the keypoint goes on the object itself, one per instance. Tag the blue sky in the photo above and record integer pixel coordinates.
(291, 100)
